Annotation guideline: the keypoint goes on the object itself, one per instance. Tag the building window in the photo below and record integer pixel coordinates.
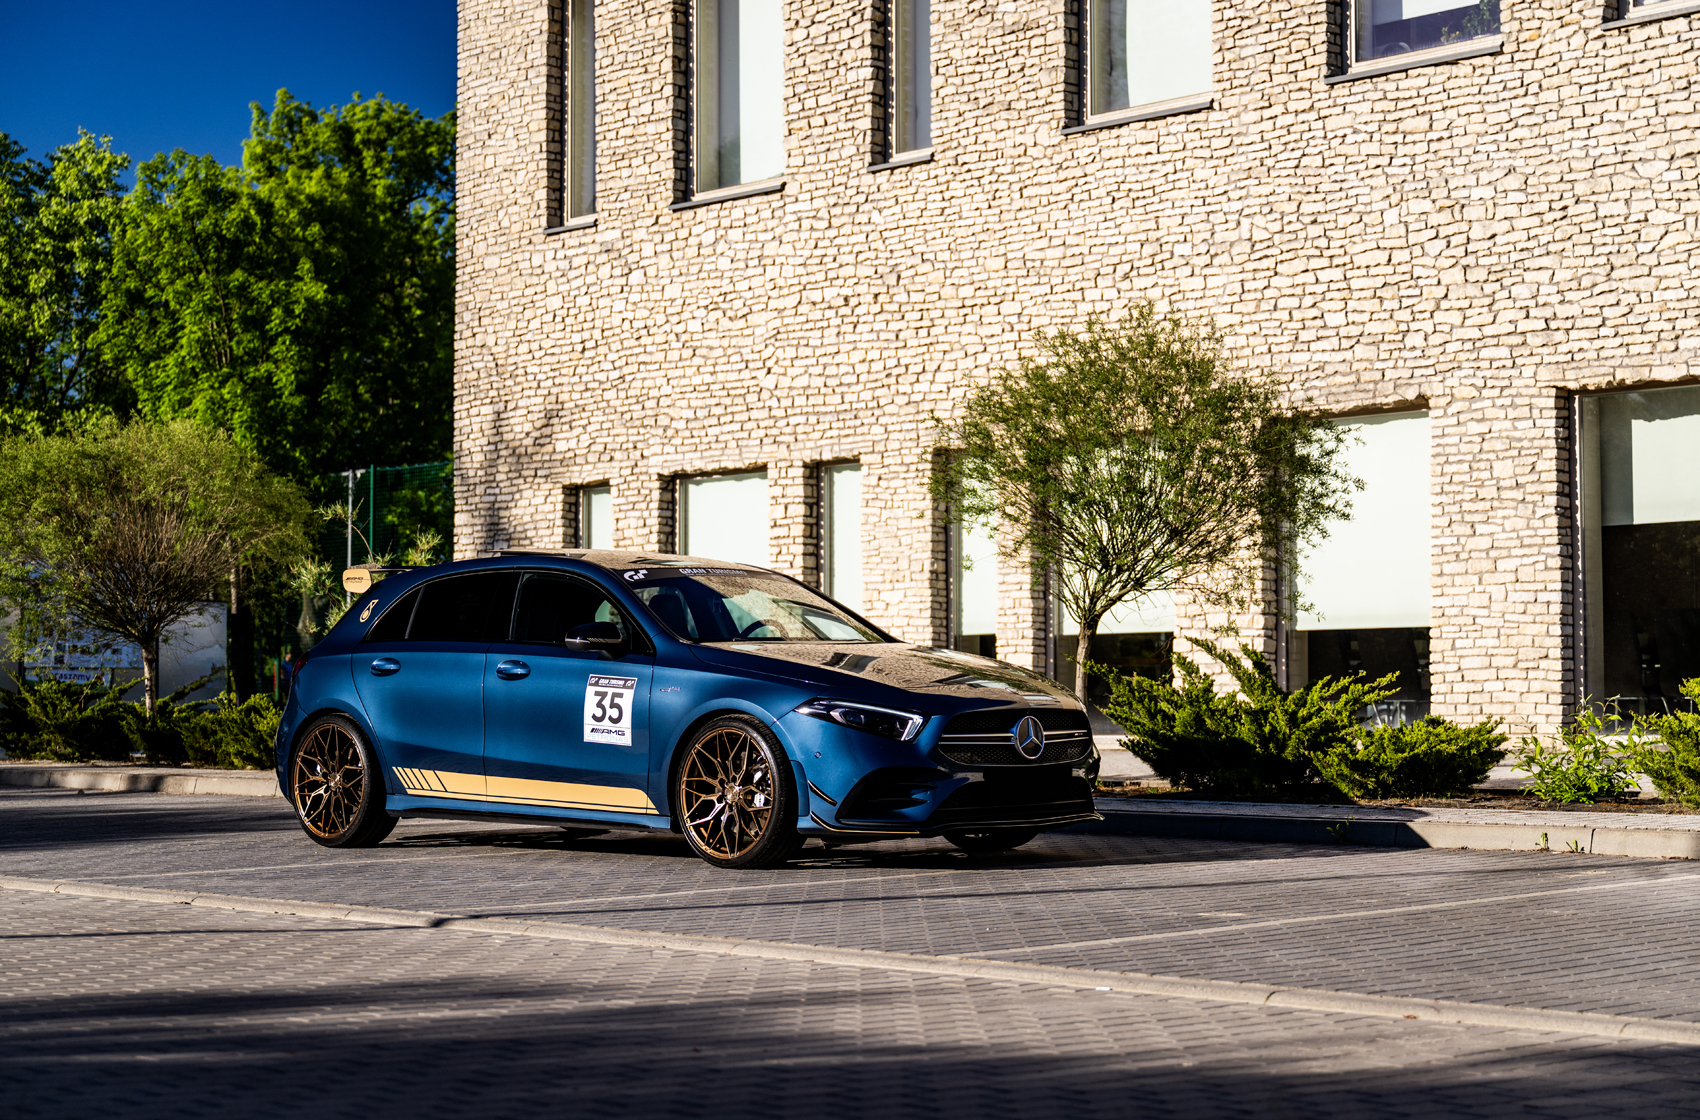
(1143, 51)
(911, 75)
(841, 533)
(1367, 583)
(725, 517)
(1640, 516)
(1135, 639)
(740, 92)
(596, 517)
(581, 109)
(1385, 28)
(973, 589)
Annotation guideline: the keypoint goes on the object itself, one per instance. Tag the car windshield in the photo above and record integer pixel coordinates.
(737, 606)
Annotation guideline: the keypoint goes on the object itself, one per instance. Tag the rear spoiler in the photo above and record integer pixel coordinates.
(358, 579)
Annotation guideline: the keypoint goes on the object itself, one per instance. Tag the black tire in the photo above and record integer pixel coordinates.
(981, 840)
(736, 800)
(337, 786)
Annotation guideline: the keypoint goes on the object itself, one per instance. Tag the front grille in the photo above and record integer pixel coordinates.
(991, 720)
(983, 738)
(1007, 796)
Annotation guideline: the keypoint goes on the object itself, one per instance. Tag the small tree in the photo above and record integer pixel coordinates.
(1131, 458)
(127, 528)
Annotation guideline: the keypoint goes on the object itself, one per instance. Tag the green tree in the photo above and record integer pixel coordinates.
(1132, 458)
(127, 528)
(304, 302)
(57, 225)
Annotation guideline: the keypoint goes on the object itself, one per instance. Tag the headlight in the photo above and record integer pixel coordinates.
(889, 723)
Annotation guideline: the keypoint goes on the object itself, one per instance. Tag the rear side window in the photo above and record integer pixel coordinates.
(472, 608)
(392, 626)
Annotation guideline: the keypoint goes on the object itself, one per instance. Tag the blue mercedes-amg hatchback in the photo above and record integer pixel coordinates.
(616, 690)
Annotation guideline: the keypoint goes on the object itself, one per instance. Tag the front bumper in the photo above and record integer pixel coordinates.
(915, 801)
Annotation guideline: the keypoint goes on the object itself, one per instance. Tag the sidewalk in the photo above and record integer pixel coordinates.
(1653, 835)
(139, 779)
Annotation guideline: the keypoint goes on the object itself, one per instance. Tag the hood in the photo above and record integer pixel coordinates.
(851, 667)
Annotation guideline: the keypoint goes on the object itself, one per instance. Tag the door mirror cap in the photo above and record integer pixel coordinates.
(604, 637)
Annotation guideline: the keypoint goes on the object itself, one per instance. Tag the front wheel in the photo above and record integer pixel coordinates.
(736, 801)
(980, 840)
(337, 787)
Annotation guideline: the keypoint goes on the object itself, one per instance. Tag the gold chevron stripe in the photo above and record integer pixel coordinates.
(523, 791)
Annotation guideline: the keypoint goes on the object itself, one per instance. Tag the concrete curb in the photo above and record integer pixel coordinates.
(1132, 983)
(142, 779)
(1539, 834)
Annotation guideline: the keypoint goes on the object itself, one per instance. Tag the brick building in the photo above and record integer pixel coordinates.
(721, 260)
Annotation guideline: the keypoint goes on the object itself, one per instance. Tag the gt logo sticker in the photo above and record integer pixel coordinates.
(608, 710)
(633, 577)
(367, 613)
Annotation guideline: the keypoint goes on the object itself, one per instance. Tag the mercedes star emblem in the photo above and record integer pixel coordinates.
(1029, 736)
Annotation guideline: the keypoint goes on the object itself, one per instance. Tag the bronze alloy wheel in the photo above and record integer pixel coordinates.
(337, 793)
(736, 801)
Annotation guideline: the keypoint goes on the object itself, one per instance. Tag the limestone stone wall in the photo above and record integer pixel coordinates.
(1483, 237)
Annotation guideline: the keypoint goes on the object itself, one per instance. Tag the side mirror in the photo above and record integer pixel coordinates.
(601, 636)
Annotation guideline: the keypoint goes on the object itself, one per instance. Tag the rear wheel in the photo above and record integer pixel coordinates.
(977, 840)
(337, 787)
(735, 798)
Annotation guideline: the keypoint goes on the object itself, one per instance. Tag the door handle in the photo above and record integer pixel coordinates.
(513, 670)
(384, 666)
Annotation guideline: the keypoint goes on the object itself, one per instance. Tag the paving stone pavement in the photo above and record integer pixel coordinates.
(143, 1010)
(1523, 929)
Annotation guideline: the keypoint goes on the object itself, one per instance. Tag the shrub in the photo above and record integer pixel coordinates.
(58, 722)
(1261, 742)
(1674, 767)
(1579, 764)
(1431, 758)
(237, 734)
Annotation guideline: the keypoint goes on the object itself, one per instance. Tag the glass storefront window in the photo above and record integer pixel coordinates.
(596, 517)
(1137, 640)
(1367, 583)
(1640, 516)
(974, 589)
(1143, 51)
(725, 517)
(740, 92)
(1384, 28)
(841, 533)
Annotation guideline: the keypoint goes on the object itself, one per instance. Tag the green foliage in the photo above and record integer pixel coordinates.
(58, 722)
(236, 734)
(57, 223)
(1259, 742)
(1673, 763)
(1131, 458)
(303, 302)
(127, 528)
(1263, 742)
(1580, 764)
(1430, 758)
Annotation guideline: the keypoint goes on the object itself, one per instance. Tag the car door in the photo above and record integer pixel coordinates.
(566, 701)
(420, 675)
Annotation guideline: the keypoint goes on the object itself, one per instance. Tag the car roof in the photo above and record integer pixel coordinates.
(615, 560)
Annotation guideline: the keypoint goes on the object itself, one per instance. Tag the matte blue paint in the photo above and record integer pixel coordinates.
(446, 707)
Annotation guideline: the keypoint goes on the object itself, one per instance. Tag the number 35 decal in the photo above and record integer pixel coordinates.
(608, 709)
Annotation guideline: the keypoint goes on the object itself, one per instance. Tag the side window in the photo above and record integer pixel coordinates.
(669, 607)
(552, 607)
(471, 608)
(392, 624)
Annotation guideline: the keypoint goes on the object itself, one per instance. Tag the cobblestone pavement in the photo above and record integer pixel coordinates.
(144, 1009)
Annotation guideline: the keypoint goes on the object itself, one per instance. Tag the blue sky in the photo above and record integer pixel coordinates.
(169, 74)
